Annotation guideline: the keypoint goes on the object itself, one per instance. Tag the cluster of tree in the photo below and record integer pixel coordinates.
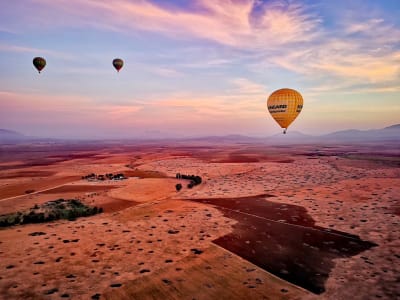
(101, 177)
(50, 211)
(194, 180)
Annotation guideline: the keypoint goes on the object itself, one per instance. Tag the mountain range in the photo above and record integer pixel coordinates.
(10, 135)
(391, 133)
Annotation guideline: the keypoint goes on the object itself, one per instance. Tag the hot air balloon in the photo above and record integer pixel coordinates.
(39, 63)
(285, 105)
(118, 64)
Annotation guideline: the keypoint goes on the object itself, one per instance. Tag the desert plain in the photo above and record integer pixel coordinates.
(267, 222)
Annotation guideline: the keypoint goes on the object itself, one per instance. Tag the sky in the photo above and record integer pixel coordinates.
(196, 68)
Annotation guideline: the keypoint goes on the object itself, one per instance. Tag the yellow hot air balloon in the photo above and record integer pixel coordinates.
(285, 105)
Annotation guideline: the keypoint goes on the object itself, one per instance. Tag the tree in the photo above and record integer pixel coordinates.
(71, 215)
(197, 179)
(178, 187)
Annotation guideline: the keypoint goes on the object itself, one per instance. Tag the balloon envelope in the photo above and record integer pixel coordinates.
(39, 63)
(285, 105)
(118, 64)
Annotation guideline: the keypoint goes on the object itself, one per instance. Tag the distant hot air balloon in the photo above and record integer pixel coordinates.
(39, 63)
(118, 64)
(285, 105)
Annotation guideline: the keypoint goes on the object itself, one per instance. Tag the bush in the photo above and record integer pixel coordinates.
(50, 211)
(71, 215)
(194, 180)
(3, 222)
(178, 187)
(60, 206)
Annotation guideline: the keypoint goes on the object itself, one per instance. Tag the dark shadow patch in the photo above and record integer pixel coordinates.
(232, 158)
(115, 205)
(284, 240)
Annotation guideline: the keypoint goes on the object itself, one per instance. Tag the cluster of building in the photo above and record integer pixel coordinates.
(101, 177)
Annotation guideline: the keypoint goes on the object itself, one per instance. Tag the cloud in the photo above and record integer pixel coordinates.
(365, 52)
(244, 100)
(165, 72)
(5, 29)
(362, 47)
(245, 24)
(244, 86)
(289, 33)
(363, 27)
(25, 49)
(46, 108)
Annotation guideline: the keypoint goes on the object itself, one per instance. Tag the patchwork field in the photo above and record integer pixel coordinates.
(266, 222)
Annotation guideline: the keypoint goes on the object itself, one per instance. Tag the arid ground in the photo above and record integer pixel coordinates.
(267, 222)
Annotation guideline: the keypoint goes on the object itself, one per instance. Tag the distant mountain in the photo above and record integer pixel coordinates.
(291, 137)
(391, 133)
(235, 138)
(393, 127)
(10, 136)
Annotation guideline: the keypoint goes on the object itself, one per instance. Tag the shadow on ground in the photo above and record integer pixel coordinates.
(284, 240)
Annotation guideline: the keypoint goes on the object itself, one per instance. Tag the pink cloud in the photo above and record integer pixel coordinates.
(58, 109)
(222, 21)
(24, 49)
(286, 32)
(361, 52)
(240, 108)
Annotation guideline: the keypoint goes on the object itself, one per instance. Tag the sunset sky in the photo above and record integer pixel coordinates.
(196, 68)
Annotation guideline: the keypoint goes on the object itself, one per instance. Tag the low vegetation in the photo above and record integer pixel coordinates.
(178, 187)
(194, 180)
(50, 211)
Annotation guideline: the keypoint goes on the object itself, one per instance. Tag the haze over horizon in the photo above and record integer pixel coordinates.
(196, 68)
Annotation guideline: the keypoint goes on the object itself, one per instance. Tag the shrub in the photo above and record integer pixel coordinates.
(178, 187)
(197, 179)
(194, 180)
(50, 211)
